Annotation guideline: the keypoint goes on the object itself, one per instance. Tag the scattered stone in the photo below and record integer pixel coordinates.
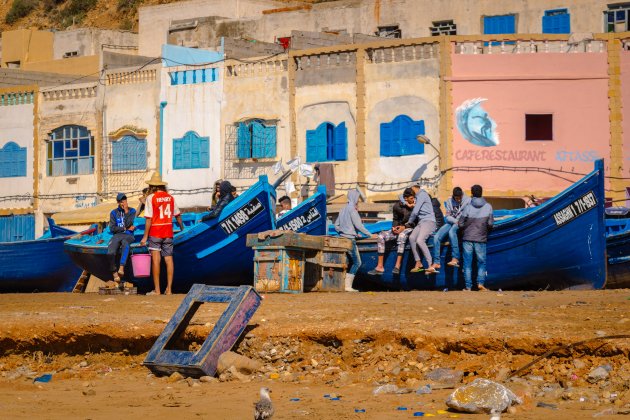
(426, 389)
(598, 374)
(600, 333)
(502, 374)
(83, 364)
(579, 364)
(468, 320)
(89, 392)
(444, 377)
(242, 364)
(546, 405)
(391, 389)
(175, 377)
(314, 363)
(207, 379)
(482, 396)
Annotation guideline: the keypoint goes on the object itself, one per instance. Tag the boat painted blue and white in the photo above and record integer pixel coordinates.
(210, 252)
(618, 247)
(559, 244)
(38, 265)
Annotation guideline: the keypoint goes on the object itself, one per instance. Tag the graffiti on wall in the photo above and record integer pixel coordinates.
(475, 125)
(577, 155)
(83, 202)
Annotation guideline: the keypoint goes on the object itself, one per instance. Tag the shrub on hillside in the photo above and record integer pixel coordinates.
(20, 9)
(128, 5)
(75, 11)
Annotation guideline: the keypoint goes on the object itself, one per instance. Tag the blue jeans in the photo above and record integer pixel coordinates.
(355, 257)
(451, 231)
(479, 249)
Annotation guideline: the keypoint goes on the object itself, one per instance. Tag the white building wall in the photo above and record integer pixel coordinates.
(16, 125)
(191, 107)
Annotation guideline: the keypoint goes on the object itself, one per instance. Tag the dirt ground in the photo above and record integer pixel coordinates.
(316, 345)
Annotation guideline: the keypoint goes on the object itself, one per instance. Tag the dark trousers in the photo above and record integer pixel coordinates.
(118, 241)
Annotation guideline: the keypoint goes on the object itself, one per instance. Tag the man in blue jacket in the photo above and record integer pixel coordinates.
(454, 207)
(121, 226)
(476, 221)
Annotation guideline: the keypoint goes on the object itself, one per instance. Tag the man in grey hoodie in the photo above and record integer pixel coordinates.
(454, 207)
(423, 213)
(347, 225)
(476, 221)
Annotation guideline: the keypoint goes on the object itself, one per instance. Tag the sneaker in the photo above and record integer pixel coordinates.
(467, 289)
(375, 272)
(396, 270)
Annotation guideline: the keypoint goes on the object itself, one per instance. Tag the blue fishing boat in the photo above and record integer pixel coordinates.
(307, 217)
(557, 245)
(211, 252)
(618, 247)
(38, 265)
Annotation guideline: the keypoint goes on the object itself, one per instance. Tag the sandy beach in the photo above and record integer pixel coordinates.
(316, 345)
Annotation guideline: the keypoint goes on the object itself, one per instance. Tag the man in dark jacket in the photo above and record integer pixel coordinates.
(399, 232)
(476, 221)
(121, 226)
(454, 207)
(225, 197)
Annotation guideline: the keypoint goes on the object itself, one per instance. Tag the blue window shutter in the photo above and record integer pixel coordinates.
(415, 147)
(341, 142)
(556, 22)
(173, 77)
(311, 145)
(258, 139)
(204, 153)
(177, 154)
(243, 142)
(270, 141)
(499, 24)
(12, 160)
(386, 139)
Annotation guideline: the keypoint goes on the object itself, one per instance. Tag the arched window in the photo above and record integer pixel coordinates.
(255, 139)
(129, 153)
(398, 137)
(12, 160)
(327, 143)
(191, 151)
(70, 151)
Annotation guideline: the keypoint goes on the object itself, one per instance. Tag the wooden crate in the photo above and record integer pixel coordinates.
(278, 269)
(292, 239)
(326, 270)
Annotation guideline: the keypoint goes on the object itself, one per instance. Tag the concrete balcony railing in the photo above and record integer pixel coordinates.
(401, 53)
(70, 92)
(16, 98)
(254, 69)
(527, 44)
(131, 77)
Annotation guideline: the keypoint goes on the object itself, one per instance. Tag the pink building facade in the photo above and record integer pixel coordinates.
(530, 123)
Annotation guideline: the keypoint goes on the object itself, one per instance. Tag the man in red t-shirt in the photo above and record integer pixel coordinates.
(159, 212)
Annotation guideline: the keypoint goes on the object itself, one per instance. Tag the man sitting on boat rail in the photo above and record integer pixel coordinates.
(121, 226)
(285, 206)
(399, 232)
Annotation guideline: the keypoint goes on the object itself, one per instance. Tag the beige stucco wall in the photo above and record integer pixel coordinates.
(154, 21)
(77, 105)
(88, 65)
(26, 45)
(90, 41)
(333, 103)
(260, 91)
(409, 88)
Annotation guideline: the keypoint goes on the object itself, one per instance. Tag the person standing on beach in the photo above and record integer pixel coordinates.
(121, 226)
(159, 212)
(347, 224)
(476, 221)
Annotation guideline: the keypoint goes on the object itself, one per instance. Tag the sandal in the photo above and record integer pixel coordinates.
(417, 270)
(431, 270)
(453, 263)
(396, 270)
(375, 272)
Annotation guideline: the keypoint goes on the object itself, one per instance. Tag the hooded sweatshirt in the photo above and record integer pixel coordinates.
(476, 220)
(120, 222)
(455, 209)
(225, 197)
(423, 209)
(349, 220)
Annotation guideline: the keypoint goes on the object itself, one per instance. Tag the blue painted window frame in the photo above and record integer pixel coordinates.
(556, 21)
(398, 137)
(191, 151)
(12, 160)
(327, 143)
(256, 140)
(129, 153)
(189, 77)
(70, 151)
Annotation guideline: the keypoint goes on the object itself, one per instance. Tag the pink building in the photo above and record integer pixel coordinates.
(528, 122)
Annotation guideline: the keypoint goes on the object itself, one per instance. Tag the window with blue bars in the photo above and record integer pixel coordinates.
(557, 21)
(129, 153)
(12, 160)
(70, 151)
(256, 139)
(616, 18)
(189, 77)
(399, 137)
(327, 143)
(191, 151)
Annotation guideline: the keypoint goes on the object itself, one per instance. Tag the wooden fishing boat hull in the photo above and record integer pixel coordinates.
(307, 217)
(557, 245)
(38, 265)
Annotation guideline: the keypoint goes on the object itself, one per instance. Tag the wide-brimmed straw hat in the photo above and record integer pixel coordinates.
(156, 180)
